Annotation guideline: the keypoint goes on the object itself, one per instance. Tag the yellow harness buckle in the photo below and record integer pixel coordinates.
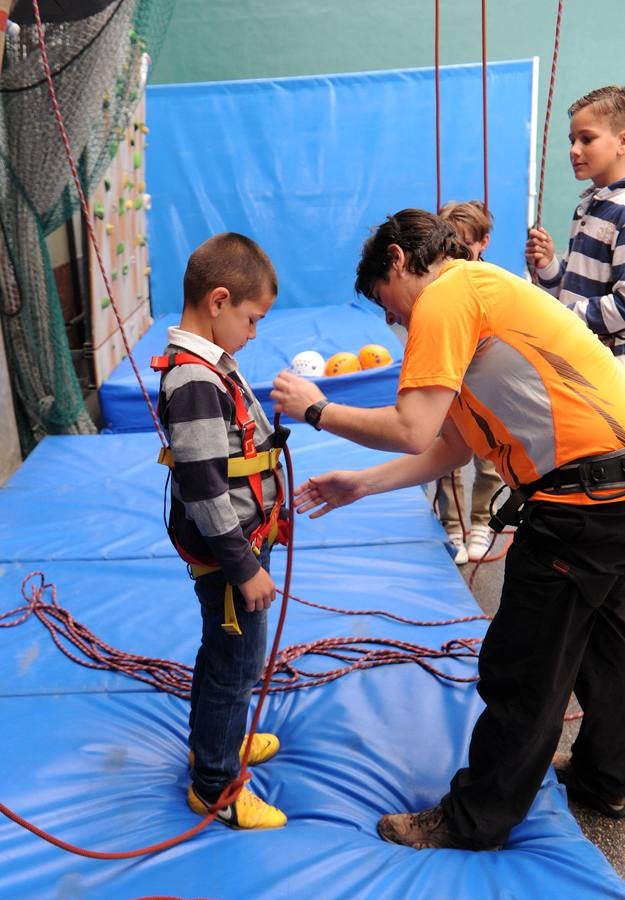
(231, 625)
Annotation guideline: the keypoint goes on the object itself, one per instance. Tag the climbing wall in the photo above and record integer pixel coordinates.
(118, 209)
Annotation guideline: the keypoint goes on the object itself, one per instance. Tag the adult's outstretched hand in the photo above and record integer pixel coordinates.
(323, 493)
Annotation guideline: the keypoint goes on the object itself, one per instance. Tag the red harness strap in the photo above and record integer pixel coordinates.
(269, 528)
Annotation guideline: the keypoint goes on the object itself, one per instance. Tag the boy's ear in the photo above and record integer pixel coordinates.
(215, 300)
(621, 142)
(484, 242)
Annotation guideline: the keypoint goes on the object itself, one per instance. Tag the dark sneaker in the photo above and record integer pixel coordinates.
(421, 831)
(578, 790)
(247, 811)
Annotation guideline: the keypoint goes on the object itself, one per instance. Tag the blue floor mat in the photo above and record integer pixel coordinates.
(100, 759)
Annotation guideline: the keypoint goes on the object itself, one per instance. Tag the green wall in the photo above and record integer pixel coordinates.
(230, 39)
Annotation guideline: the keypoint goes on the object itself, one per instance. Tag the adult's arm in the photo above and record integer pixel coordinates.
(409, 427)
(323, 493)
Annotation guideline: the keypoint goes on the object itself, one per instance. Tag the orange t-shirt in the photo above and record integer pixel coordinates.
(536, 389)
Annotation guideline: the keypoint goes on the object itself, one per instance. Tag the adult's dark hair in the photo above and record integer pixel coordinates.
(232, 261)
(422, 236)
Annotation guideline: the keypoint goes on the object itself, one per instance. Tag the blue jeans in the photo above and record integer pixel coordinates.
(227, 668)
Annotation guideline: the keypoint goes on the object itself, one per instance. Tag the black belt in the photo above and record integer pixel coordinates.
(593, 474)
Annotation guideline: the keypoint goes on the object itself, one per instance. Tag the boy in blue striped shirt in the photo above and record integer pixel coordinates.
(590, 279)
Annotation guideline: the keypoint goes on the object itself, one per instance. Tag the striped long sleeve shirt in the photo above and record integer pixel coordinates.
(590, 278)
(211, 515)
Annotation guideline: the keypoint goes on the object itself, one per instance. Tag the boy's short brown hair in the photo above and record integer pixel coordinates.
(232, 261)
(471, 219)
(609, 102)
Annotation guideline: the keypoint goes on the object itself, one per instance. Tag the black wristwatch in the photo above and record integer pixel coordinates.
(313, 413)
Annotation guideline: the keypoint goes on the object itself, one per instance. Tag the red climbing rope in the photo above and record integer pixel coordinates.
(552, 81)
(437, 95)
(485, 105)
(175, 678)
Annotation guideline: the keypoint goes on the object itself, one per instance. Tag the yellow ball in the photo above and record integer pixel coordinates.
(373, 355)
(343, 363)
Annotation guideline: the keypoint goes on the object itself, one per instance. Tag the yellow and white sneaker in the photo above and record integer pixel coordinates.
(247, 811)
(264, 746)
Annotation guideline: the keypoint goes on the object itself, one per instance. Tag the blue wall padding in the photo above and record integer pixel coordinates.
(101, 760)
(307, 166)
(101, 497)
(283, 334)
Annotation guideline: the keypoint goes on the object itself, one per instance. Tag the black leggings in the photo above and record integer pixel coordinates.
(560, 628)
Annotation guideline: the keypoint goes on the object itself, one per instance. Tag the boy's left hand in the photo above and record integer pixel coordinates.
(293, 395)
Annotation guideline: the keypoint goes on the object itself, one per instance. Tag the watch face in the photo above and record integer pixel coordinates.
(313, 413)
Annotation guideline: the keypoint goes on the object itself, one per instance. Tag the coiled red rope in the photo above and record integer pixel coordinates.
(83, 647)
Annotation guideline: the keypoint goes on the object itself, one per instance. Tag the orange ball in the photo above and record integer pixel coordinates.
(373, 355)
(343, 363)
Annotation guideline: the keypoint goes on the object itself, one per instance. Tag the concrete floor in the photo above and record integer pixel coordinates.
(607, 834)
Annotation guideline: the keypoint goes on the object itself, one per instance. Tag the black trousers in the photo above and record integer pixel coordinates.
(560, 628)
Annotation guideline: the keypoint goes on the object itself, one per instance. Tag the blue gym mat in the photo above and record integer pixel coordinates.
(99, 759)
(283, 334)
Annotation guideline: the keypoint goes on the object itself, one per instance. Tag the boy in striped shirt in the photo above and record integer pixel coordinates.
(229, 285)
(590, 279)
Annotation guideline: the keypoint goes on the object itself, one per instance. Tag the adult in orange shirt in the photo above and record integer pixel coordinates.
(494, 366)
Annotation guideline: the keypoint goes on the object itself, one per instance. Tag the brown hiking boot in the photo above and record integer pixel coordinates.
(580, 791)
(427, 829)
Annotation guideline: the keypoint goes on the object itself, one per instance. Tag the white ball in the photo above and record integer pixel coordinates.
(308, 363)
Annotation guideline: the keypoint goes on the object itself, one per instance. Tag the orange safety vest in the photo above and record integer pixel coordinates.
(250, 465)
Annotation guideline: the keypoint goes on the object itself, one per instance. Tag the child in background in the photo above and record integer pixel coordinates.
(473, 224)
(229, 284)
(590, 279)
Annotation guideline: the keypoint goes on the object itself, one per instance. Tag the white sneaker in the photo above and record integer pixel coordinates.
(479, 542)
(456, 540)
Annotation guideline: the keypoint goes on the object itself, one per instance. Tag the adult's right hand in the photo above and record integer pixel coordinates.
(323, 493)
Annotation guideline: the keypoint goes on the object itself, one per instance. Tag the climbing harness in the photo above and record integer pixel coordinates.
(594, 475)
(251, 465)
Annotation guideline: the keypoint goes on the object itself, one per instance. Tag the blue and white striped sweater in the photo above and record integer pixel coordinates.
(590, 279)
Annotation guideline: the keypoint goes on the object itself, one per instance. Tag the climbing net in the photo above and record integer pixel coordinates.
(98, 65)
